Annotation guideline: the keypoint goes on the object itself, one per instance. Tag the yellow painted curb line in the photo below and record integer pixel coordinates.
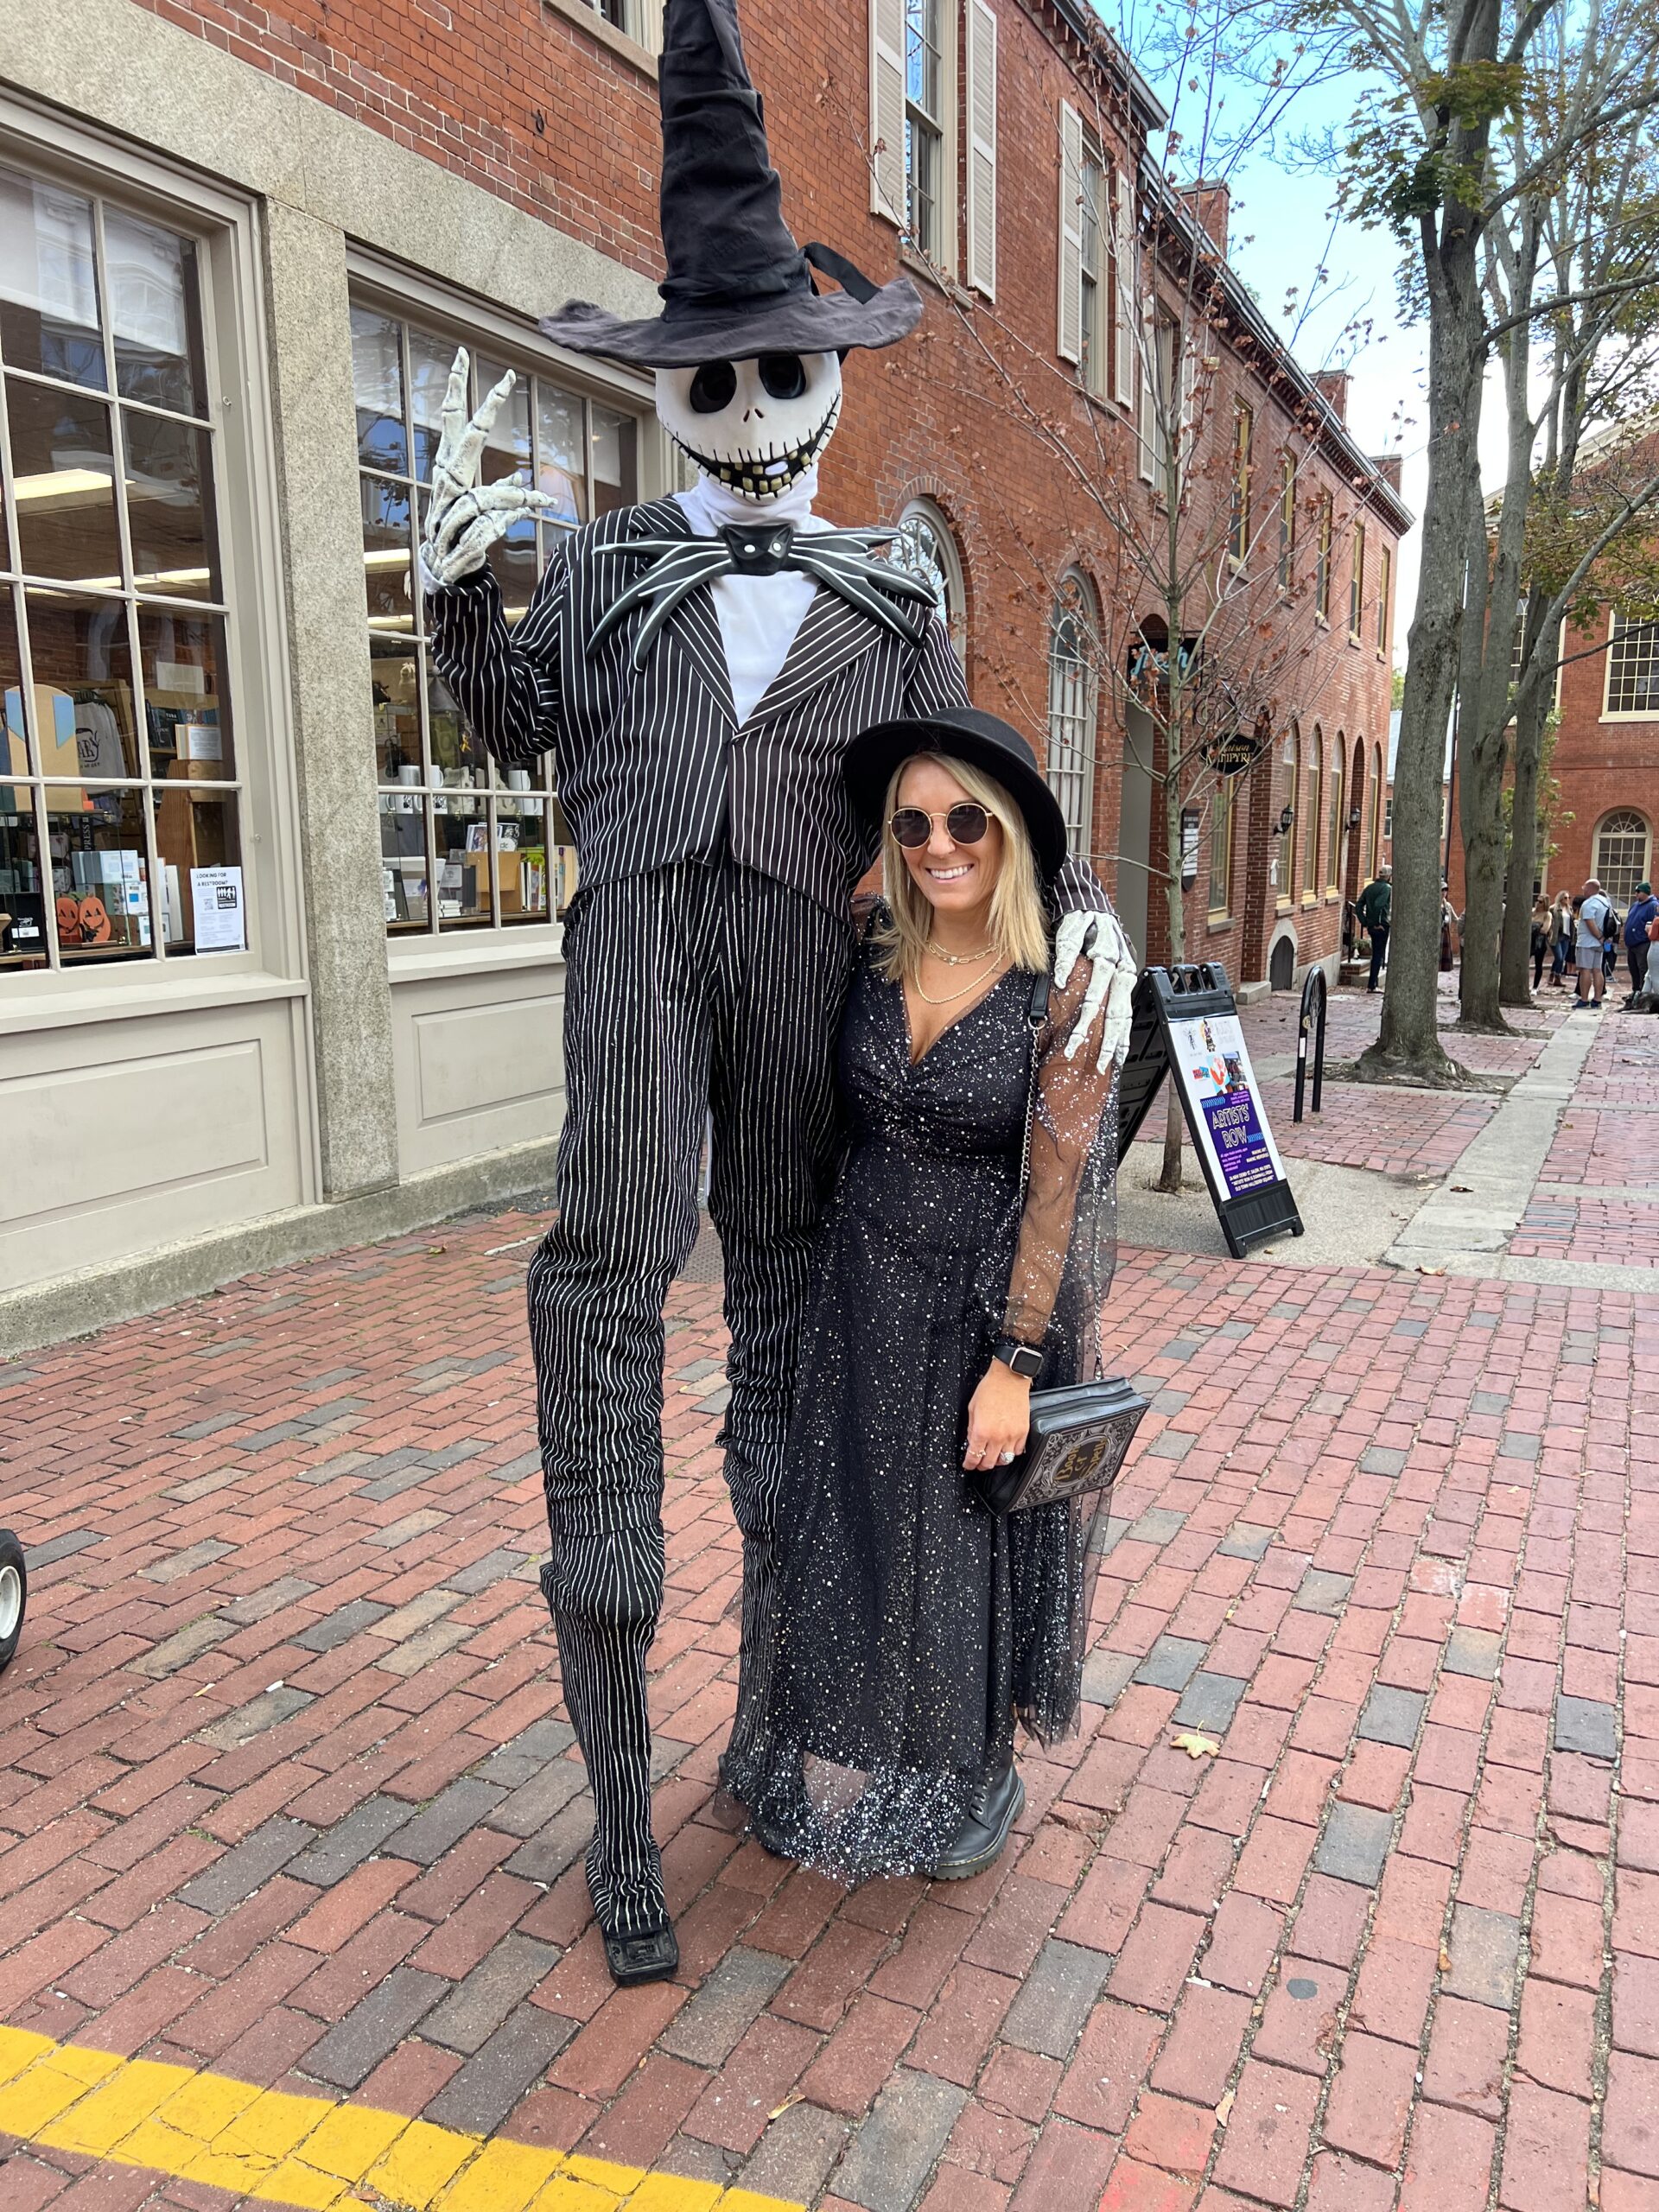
(310, 2151)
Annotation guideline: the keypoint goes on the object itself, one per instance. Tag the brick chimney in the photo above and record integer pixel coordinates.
(1331, 385)
(1390, 467)
(1211, 203)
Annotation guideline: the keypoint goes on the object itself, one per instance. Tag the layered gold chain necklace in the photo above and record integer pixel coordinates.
(955, 960)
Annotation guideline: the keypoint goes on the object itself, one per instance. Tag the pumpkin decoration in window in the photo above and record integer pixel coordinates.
(68, 918)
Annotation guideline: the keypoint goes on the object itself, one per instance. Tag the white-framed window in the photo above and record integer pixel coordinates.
(1158, 445)
(923, 544)
(1222, 809)
(639, 20)
(1073, 694)
(1632, 668)
(1088, 243)
(1624, 853)
(123, 775)
(1337, 821)
(925, 92)
(1311, 821)
(466, 845)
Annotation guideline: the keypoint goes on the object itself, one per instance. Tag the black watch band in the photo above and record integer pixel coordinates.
(1024, 1359)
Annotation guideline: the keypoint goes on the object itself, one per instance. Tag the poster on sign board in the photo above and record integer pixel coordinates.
(1212, 1064)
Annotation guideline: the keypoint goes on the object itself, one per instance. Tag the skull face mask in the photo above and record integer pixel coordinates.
(756, 426)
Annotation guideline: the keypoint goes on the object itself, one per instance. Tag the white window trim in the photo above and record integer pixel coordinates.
(1645, 870)
(1616, 714)
(225, 225)
(1126, 275)
(981, 107)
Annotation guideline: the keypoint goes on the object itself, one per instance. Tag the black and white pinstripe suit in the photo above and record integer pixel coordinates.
(707, 954)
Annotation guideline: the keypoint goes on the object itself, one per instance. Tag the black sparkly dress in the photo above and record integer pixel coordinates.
(912, 1626)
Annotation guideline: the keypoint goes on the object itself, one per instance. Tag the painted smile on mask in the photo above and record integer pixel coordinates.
(757, 426)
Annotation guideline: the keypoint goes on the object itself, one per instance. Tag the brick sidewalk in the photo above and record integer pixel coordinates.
(288, 1790)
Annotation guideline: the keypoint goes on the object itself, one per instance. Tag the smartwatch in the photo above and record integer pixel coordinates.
(1024, 1359)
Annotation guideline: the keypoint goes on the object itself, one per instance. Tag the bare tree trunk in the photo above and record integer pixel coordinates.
(1169, 1181)
(1514, 962)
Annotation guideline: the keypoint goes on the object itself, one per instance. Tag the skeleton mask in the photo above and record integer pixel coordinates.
(758, 425)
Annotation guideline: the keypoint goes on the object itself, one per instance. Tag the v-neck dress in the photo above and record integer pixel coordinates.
(911, 1624)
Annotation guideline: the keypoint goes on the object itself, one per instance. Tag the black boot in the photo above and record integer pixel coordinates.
(978, 1842)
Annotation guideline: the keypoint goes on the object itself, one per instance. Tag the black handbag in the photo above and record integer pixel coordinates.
(1080, 1431)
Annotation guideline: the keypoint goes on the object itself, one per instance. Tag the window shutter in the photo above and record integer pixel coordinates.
(1123, 240)
(1069, 343)
(1150, 399)
(982, 148)
(888, 195)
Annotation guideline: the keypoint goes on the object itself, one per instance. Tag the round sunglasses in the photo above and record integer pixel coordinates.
(965, 825)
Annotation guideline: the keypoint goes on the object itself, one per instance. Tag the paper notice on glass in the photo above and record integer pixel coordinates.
(1212, 1064)
(222, 921)
(201, 741)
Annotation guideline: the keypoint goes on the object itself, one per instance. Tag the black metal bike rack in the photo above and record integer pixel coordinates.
(1314, 995)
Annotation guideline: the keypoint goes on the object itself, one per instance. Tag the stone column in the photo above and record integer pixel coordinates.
(332, 717)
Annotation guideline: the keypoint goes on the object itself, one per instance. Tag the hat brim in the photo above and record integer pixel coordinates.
(797, 322)
(870, 760)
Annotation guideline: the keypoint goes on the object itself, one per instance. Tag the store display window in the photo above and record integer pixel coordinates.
(465, 845)
(120, 792)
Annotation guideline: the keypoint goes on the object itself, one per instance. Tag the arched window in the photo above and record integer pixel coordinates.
(925, 546)
(1624, 853)
(1293, 760)
(1334, 828)
(1376, 810)
(1073, 651)
(1311, 820)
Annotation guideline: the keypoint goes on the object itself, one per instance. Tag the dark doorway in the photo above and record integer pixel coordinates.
(1282, 966)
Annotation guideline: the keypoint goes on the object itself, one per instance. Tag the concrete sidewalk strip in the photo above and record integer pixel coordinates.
(216, 2133)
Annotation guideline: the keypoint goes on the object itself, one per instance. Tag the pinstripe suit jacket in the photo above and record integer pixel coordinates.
(653, 766)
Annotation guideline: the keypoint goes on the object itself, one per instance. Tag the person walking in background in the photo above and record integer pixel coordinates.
(1374, 906)
(1560, 938)
(1539, 937)
(1448, 932)
(1595, 908)
(1645, 909)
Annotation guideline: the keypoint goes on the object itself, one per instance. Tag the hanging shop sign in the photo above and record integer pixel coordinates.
(1232, 752)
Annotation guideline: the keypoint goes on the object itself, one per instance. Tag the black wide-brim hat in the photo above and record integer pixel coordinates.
(961, 734)
(738, 285)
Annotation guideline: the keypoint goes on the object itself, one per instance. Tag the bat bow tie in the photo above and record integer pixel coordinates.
(840, 560)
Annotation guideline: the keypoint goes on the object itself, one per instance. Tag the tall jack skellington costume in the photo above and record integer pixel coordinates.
(698, 664)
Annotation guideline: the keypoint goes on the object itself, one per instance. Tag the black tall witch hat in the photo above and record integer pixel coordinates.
(737, 284)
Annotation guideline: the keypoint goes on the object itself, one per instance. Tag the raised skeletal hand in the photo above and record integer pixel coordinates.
(465, 517)
(1099, 938)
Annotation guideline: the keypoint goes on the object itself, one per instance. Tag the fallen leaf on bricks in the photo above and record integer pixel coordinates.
(791, 2100)
(1195, 1746)
(1224, 2110)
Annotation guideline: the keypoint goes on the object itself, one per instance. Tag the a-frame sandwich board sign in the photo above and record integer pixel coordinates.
(1186, 1026)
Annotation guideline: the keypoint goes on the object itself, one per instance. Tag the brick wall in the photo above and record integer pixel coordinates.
(1599, 765)
(521, 98)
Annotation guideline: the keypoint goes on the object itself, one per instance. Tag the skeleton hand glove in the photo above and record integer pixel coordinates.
(465, 518)
(1100, 939)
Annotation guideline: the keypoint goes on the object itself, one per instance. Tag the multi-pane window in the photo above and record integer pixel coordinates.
(1091, 277)
(1356, 583)
(1072, 642)
(923, 544)
(1286, 520)
(1322, 562)
(1384, 587)
(1221, 846)
(1335, 825)
(1622, 843)
(1293, 798)
(465, 844)
(1311, 825)
(639, 20)
(1238, 539)
(925, 124)
(119, 831)
(1159, 433)
(1633, 668)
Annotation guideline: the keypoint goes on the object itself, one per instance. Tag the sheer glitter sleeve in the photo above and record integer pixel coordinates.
(1064, 1256)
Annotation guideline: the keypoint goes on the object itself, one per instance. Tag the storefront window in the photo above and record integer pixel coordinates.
(465, 845)
(119, 798)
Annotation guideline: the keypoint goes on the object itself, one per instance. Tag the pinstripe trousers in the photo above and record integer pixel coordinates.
(697, 988)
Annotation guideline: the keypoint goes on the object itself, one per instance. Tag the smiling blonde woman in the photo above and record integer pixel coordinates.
(913, 1626)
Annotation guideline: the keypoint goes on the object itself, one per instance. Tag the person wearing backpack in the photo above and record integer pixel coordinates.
(1595, 911)
(1374, 907)
(1645, 909)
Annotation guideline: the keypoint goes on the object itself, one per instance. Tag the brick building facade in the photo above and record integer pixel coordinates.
(1605, 764)
(277, 223)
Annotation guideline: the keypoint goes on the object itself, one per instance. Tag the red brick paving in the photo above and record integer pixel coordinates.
(1383, 1949)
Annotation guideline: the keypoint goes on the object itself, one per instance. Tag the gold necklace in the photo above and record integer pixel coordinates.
(957, 959)
(950, 997)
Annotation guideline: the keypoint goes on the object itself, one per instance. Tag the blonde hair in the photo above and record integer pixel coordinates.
(1018, 926)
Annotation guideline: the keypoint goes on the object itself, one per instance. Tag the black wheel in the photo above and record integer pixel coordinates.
(14, 1596)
